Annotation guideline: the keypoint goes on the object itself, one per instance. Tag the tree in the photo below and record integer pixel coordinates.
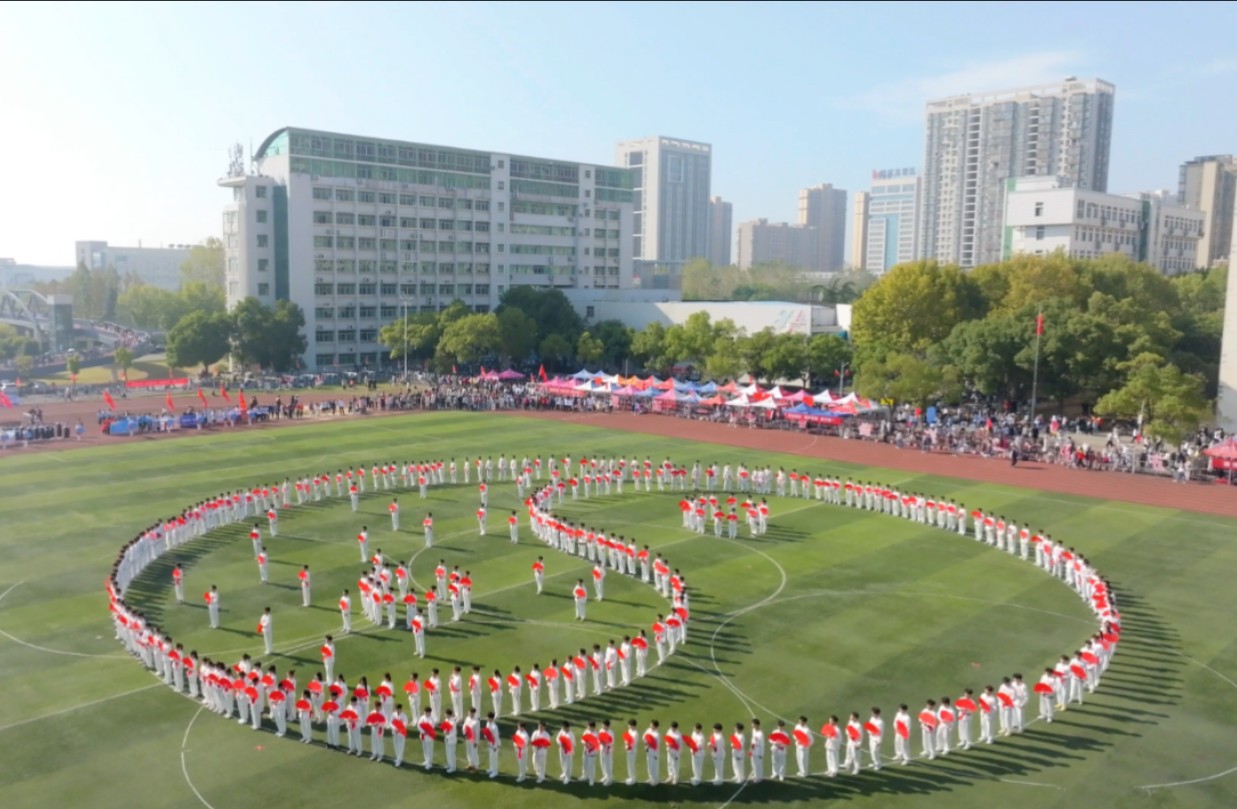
(268, 337)
(616, 340)
(702, 281)
(11, 342)
(123, 358)
(204, 265)
(825, 355)
(907, 378)
(74, 366)
(726, 361)
(24, 364)
(147, 307)
(518, 332)
(200, 338)
(549, 309)
(589, 349)
(912, 307)
(986, 352)
(648, 346)
(555, 350)
(470, 339)
(1168, 403)
(692, 341)
(754, 352)
(418, 334)
(787, 358)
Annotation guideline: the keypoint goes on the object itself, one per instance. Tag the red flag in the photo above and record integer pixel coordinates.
(5, 401)
(168, 399)
(244, 407)
(223, 391)
(453, 370)
(1039, 324)
(202, 396)
(541, 373)
(107, 397)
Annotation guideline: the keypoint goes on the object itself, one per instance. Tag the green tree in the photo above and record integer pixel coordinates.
(692, 341)
(986, 352)
(24, 364)
(418, 334)
(200, 338)
(549, 309)
(74, 366)
(616, 339)
(912, 307)
(147, 307)
(702, 281)
(726, 361)
(470, 339)
(204, 265)
(589, 349)
(907, 378)
(754, 351)
(555, 351)
(825, 356)
(519, 333)
(787, 359)
(1169, 403)
(123, 359)
(268, 337)
(648, 346)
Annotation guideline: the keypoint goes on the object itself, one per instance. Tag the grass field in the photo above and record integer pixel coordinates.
(152, 367)
(834, 610)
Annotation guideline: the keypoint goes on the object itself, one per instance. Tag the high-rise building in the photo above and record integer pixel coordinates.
(890, 228)
(975, 143)
(1226, 403)
(823, 207)
(156, 266)
(859, 232)
(1045, 214)
(357, 231)
(670, 224)
(721, 231)
(762, 242)
(1210, 185)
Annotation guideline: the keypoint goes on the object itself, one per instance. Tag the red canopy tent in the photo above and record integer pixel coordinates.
(1223, 456)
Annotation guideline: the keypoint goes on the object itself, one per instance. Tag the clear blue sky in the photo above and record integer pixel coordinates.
(115, 121)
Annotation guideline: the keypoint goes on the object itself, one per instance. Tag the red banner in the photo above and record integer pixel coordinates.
(183, 382)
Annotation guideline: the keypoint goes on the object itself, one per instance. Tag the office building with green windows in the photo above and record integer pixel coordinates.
(356, 231)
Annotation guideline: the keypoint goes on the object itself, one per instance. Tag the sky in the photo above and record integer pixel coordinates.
(117, 118)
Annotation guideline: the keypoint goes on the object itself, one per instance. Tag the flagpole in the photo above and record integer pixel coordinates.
(1039, 331)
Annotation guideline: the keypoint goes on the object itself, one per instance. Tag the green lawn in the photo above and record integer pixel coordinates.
(834, 610)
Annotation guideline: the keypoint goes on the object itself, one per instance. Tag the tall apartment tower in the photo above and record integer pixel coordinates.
(974, 143)
(721, 231)
(859, 232)
(1210, 184)
(671, 219)
(890, 229)
(824, 207)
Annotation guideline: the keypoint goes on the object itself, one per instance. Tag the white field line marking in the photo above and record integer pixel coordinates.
(38, 648)
(184, 767)
(72, 708)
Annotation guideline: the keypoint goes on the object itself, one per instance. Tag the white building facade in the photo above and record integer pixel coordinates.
(974, 144)
(1209, 184)
(721, 231)
(670, 224)
(156, 266)
(357, 231)
(890, 227)
(1044, 215)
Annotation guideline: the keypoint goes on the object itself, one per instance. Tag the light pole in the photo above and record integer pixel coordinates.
(842, 377)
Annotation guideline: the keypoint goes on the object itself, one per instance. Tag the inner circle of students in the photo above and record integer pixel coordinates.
(449, 709)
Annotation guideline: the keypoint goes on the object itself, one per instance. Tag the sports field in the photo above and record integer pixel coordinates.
(833, 610)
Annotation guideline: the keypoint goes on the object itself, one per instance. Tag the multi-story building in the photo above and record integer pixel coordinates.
(1226, 402)
(1210, 185)
(889, 231)
(354, 230)
(156, 266)
(974, 144)
(670, 223)
(721, 231)
(1044, 215)
(859, 232)
(762, 242)
(823, 208)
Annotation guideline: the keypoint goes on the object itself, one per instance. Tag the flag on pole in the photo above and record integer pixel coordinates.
(202, 396)
(223, 391)
(107, 397)
(541, 373)
(1039, 324)
(5, 401)
(168, 399)
(243, 405)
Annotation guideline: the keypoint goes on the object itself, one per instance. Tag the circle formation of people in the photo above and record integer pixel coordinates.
(433, 707)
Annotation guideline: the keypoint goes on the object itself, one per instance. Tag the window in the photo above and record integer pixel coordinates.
(446, 289)
(346, 243)
(261, 216)
(1039, 209)
(366, 243)
(1039, 233)
(386, 199)
(324, 312)
(264, 264)
(263, 239)
(260, 193)
(502, 186)
(502, 164)
(368, 289)
(324, 289)
(428, 224)
(347, 312)
(588, 312)
(367, 220)
(345, 218)
(369, 335)
(324, 336)
(368, 312)
(322, 193)
(483, 227)
(346, 289)
(365, 196)
(264, 289)
(322, 217)
(343, 195)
